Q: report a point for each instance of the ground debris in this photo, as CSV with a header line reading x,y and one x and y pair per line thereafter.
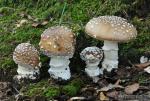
x,y
130,89
142,65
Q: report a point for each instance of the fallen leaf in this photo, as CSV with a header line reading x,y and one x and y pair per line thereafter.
x,y
27,16
44,23
142,65
102,83
30,17
111,86
36,24
130,89
40,24
147,69
102,97
21,22
76,98
112,94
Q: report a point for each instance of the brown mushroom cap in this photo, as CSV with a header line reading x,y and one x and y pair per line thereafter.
x,y
57,41
26,54
92,53
111,28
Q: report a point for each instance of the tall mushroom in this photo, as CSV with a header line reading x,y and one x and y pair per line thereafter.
x,y
92,56
58,42
28,60
112,30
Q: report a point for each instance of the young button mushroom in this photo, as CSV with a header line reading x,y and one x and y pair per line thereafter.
x,y
92,56
112,30
58,43
28,60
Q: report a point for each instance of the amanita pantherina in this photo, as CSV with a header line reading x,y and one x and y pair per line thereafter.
x,y
28,60
92,56
58,43
112,30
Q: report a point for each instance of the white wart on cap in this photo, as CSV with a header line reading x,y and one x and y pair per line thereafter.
x,y
111,28
57,41
26,54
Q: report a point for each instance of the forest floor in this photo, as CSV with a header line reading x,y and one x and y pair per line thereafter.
x,y
24,21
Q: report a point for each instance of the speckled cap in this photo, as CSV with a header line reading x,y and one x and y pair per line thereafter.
x,y
91,53
57,41
111,28
26,54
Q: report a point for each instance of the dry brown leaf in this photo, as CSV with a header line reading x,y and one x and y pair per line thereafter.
x,y
40,24
142,65
113,94
102,97
36,24
44,23
111,86
130,89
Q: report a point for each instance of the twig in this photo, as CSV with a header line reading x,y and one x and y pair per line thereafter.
x,y
62,13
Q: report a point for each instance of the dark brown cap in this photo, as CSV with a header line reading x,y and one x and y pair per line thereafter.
x,y
92,53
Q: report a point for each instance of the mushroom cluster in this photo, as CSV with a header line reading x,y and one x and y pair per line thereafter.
x,y
28,60
58,42
92,56
112,30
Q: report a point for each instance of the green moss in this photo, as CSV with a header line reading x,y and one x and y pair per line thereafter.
x,y
51,92
73,87
70,90
76,14
41,88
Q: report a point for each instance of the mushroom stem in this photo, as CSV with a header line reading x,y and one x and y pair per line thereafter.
x,y
59,67
110,55
92,69
28,72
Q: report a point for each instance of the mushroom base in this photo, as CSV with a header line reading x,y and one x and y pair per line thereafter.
x,y
92,72
27,72
92,69
109,65
59,68
110,55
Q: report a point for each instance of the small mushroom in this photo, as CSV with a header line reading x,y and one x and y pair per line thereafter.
x,y
58,42
28,60
92,56
112,30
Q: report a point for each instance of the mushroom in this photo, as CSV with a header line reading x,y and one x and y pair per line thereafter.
x,y
92,56
28,60
58,42
112,30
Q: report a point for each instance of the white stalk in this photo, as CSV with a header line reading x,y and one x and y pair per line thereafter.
x,y
28,72
110,55
59,67
92,69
